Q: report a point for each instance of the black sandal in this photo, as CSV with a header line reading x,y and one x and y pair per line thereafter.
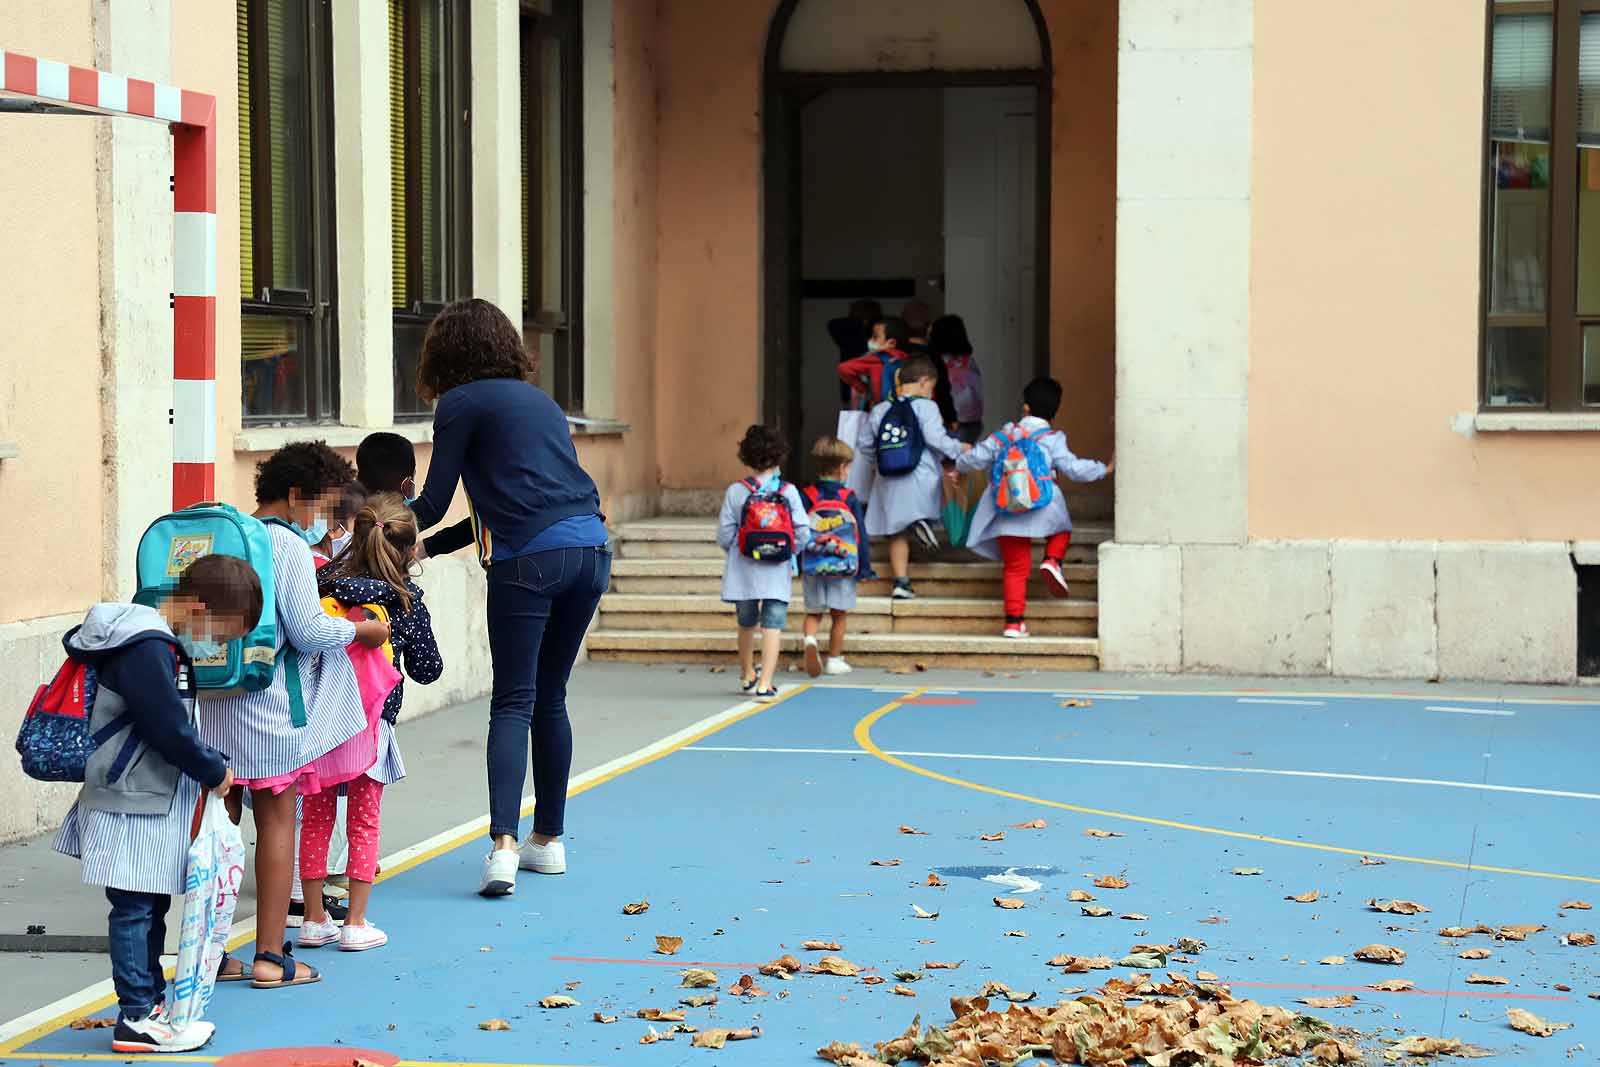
x,y
241,975
285,963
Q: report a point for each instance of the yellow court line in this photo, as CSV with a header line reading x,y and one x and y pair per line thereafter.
x,y
863,736
247,934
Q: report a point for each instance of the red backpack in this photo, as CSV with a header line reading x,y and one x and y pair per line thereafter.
x,y
766,526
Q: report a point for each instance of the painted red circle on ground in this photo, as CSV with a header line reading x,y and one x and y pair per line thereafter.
x,y
308,1057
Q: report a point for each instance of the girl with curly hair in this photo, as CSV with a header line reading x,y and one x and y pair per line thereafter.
x,y
536,522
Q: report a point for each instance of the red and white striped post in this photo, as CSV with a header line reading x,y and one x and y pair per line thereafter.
x,y
62,88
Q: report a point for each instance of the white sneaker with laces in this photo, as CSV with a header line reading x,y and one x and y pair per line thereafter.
x,y
499,873
154,1034
361,938
837,665
543,859
1054,580
813,657
317,934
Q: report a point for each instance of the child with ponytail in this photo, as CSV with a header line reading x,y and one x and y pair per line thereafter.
x,y
374,568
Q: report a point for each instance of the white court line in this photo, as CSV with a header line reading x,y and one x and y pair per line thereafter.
x,y
1278,700
1474,711
76,1002
1112,693
1211,769
1092,695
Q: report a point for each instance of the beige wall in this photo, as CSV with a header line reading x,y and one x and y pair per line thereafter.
x,y
709,322
1364,333
50,359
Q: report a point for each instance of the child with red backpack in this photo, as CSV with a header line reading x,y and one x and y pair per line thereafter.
x,y
763,528
839,555
1023,503
871,376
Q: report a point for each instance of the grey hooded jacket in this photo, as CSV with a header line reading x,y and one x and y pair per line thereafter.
x,y
145,683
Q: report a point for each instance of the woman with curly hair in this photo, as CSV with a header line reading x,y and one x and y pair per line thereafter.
x,y
269,744
535,518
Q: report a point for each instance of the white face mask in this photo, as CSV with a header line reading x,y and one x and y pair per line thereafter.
x,y
877,346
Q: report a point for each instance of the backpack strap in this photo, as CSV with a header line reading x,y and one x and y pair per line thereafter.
x,y
291,680
812,494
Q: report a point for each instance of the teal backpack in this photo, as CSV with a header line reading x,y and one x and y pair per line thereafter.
x,y
172,543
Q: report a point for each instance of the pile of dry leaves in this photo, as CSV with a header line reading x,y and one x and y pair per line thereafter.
x,y
1174,1023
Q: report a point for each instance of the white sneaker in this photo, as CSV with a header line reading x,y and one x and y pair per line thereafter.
x,y
317,934
837,665
1015,631
499,873
813,657
543,859
155,1034
361,938
1054,580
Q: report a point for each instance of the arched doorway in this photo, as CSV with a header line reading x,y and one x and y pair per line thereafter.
x,y
961,92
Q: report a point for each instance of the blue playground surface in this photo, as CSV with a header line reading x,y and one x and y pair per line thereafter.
x,y
758,831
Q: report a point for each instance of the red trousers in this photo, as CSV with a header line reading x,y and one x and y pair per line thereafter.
x,y
361,829
1016,560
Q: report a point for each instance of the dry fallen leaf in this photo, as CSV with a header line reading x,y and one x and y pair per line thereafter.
x,y
903,991
1191,945
782,967
1578,940
1577,905
997,836
1306,898
1205,976
1519,932
873,979
1381,954
667,946
835,965
1398,907
821,946
1135,917
910,976
1032,824
699,978
1214,920
948,965
1080,896
637,908
718,1038
661,1015
1076,703
494,1024
919,912
1333,961
86,1023
1393,985
885,863
1562,988
1016,933
1095,911
1343,1000
1247,871
913,830
1335,1051
1092,832
698,1002
1438,1046
746,987
1010,903
1111,881
1476,954
600,1017
1529,1023
1486,979
1368,861
934,881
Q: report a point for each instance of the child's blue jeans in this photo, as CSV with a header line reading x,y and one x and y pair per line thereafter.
x,y
138,931
768,614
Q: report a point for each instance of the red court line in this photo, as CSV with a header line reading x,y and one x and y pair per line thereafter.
x,y
1399,992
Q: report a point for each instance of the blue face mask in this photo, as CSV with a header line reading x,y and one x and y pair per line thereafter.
x,y
317,531
410,500
200,649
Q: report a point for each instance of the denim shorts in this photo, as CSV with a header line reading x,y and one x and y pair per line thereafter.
x,y
770,614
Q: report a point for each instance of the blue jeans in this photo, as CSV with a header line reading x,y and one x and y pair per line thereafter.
x,y
768,614
138,933
540,606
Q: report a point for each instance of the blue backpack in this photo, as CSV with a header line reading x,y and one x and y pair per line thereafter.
x,y
900,441
173,542
1022,477
888,375
835,548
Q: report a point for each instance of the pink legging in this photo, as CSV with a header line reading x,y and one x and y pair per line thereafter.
x,y
317,812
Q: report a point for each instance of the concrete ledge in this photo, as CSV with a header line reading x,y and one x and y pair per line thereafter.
x,y
1536,422
1384,609
254,440
1262,608
1508,612
1141,607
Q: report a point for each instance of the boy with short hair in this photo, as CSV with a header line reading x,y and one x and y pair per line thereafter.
x,y
387,463
1008,533
131,823
828,575
888,344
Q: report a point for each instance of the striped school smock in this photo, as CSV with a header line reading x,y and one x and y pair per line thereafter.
x,y
255,729
136,853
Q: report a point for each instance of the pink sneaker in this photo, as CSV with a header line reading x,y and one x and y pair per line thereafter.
x,y
1015,631
1054,581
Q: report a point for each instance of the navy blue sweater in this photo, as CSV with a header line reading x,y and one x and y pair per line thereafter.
x,y
510,444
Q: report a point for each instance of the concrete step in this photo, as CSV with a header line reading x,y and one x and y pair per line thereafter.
x,y
978,579
878,614
696,538
865,650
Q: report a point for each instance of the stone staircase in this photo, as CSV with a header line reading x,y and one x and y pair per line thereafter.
x,y
664,607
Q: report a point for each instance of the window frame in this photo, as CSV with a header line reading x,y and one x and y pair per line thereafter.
x,y
319,304
1562,322
456,89
565,26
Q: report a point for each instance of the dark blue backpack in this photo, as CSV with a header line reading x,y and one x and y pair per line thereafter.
x,y
899,439
887,374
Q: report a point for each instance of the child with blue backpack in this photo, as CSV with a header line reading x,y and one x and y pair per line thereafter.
x,y
146,773
763,528
871,375
838,556
1024,504
906,439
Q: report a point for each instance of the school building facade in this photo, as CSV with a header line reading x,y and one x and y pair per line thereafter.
x,y
1338,322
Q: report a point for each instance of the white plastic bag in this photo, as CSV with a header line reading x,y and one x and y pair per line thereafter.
x,y
862,471
210,893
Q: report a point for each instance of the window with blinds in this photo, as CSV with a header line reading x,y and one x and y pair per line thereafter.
x,y
1541,338
285,210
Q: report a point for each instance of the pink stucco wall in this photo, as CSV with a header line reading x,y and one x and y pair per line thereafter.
x,y
709,323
